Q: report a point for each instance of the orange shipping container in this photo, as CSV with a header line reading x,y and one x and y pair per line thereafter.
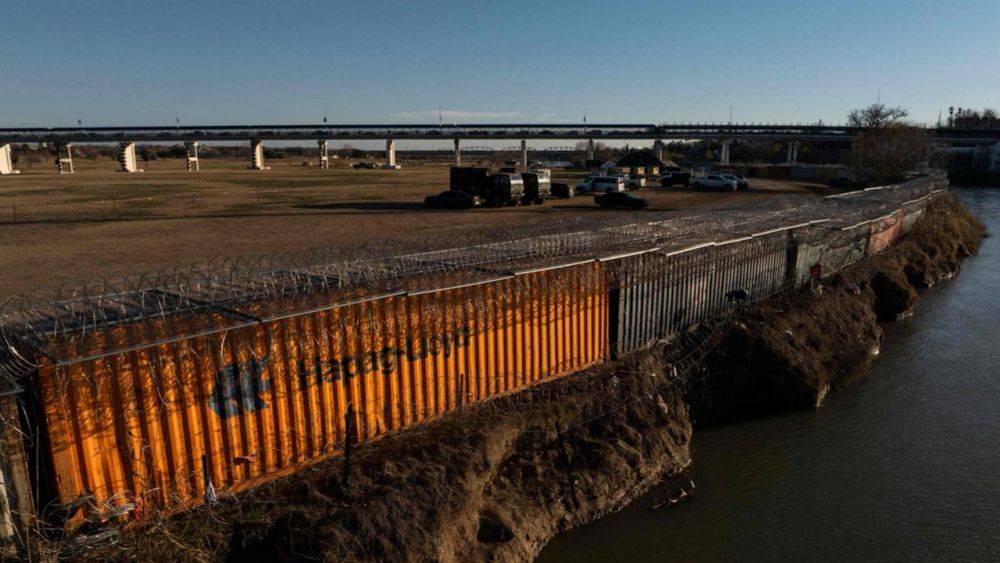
x,y
166,424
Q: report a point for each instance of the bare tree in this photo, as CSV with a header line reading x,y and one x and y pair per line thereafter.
x,y
886,155
876,116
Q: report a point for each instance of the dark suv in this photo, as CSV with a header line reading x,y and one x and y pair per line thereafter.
x,y
675,178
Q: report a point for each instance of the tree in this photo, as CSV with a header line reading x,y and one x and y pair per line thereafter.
x,y
972,119
601,151
876,116
886,155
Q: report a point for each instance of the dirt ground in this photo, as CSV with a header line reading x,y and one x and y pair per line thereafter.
x,y
65,230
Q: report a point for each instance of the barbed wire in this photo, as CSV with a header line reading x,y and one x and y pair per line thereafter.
x,y
66,322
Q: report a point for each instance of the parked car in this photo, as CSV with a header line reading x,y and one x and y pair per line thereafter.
x,y
621,199
453,199
561,190
364,165
677,178
600,184
633,183
584,185
714,182
741,182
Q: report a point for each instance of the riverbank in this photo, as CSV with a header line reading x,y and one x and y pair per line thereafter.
x,y
790,352
891,468
497,480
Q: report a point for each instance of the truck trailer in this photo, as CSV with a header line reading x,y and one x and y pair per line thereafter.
x,y
495,189
537,187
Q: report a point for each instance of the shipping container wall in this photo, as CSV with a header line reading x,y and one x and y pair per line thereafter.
x,y
838,251
884,232
17,508
808,254
8,528
164,425
911,218
7,531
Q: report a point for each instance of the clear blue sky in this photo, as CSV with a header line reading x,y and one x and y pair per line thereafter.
x,y
127,63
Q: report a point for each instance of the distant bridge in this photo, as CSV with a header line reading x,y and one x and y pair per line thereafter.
x,y
61,138
505,131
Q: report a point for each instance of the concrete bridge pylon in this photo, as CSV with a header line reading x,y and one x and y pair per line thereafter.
x,y
324,154
64,164
192,156
390,152
792,155
257,155
126,157
6,160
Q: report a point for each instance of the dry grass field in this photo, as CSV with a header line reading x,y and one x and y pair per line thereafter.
x,y
71,229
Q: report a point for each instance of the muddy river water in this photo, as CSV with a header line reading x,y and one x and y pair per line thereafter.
x,y
902,466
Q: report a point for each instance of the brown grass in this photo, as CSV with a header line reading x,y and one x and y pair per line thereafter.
x,y
76,228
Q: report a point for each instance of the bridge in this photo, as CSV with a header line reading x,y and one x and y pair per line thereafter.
x,y
61,139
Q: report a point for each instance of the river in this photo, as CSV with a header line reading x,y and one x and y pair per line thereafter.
x,y
902,466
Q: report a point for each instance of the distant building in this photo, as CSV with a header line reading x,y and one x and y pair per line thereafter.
x,y
640,163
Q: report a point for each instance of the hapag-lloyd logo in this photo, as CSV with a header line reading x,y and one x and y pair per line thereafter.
x,y
239,385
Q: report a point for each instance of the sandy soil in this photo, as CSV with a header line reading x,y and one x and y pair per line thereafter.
x,y
70,229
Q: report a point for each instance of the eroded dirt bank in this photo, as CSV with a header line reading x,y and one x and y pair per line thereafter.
x,y
490,482
494,481
788,353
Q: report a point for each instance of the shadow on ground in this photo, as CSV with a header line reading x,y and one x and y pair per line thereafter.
x,y
366,205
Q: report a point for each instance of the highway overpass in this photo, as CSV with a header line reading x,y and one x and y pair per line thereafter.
x,y
62,138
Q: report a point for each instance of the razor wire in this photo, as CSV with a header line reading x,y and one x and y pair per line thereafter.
x,y
63,322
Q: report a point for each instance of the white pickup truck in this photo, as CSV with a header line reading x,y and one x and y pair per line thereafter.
x,y
600,185
633,183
